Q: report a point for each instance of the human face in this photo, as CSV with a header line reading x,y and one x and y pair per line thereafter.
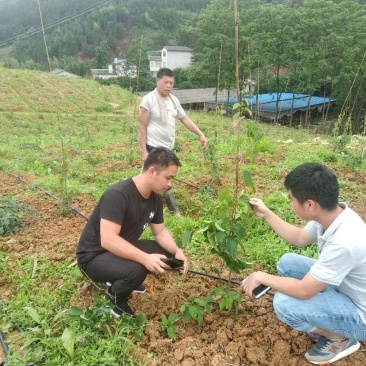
x,y
301,209
163,179
165,85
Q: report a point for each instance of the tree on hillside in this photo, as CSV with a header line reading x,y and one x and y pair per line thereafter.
x,y
101,58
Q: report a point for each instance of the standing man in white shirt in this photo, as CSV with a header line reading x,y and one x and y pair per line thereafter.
x,y
158,113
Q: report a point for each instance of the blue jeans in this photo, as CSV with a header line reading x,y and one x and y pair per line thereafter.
x,y
330,309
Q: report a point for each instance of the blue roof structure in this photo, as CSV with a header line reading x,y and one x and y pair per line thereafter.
x,y
288,103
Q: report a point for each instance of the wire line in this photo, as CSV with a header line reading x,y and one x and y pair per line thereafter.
x,y
55,23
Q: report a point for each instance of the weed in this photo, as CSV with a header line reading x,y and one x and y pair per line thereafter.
x,y
11,216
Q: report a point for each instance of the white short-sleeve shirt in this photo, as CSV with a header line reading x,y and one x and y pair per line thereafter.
x,y
158,132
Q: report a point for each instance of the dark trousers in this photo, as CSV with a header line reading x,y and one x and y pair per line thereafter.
x,y
124,275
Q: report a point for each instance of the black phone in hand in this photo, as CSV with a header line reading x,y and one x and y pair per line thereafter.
x,y
260,291
173,262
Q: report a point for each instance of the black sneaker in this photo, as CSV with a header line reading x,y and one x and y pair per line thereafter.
x,y
140,289
122,308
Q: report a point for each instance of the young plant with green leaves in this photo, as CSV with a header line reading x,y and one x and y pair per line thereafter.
x,y
226,233
227,299
194,308
168,325
11,216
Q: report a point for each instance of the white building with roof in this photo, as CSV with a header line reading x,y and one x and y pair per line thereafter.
x,y
172,57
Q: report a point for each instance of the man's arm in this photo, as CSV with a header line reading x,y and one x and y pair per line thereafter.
x,y
292,234
111,241
191,126
144,118
166,241
301,289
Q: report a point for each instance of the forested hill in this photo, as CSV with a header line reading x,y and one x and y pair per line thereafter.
x,y
93,29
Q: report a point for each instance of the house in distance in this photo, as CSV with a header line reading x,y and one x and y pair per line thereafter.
x,y
172,57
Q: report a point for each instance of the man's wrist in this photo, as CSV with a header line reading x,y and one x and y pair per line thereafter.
x,y
178,250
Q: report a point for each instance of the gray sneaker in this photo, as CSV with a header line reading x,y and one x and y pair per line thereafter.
x,y
330,350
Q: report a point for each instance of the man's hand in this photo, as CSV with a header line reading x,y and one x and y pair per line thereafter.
x,y
250,283
203,141
180,255
153,263
259,208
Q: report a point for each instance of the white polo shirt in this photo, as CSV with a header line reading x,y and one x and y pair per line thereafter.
x,y
342,256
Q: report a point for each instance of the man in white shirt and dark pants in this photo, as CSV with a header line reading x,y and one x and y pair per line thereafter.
x,y
158,113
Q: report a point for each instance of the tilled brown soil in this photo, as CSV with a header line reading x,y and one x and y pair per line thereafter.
x,y
253,336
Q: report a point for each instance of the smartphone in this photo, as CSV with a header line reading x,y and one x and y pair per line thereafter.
x,y
260,291
173,262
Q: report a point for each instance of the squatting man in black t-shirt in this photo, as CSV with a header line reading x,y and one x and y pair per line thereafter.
x,y
109,248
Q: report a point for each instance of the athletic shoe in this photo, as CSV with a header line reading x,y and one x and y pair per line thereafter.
x,y
140,289
314,337
327,350
121,308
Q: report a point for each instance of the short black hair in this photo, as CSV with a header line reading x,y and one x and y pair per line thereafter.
x,y
164,71
314,181
161,158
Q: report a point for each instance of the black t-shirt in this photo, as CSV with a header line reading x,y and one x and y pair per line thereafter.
x,y
122,204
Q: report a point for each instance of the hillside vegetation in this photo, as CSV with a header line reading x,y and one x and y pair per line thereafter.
x,y
36,91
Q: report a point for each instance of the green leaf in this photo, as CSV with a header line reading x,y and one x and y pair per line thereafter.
x,y
186,317
236,106
68,341
218,227
164,320
172,332
193,311
225,303
186,237
239,231
247,177
231,246
33,314
211,239
248,111
74,311
220,237
173,318
37,353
